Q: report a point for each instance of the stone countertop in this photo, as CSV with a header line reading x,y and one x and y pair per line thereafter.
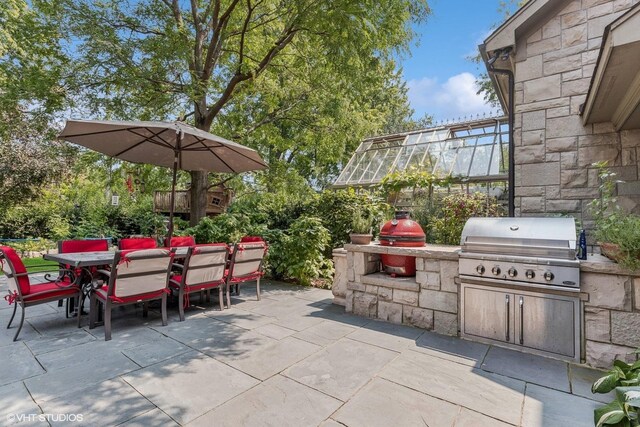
x,y
596,263
427,251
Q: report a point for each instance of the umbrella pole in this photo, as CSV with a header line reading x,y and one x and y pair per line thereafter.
x,y
176,158
172,203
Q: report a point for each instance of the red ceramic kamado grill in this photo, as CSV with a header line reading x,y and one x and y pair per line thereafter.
x,y
403,232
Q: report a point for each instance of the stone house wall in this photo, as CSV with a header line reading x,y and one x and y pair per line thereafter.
x,y
611,313
554,151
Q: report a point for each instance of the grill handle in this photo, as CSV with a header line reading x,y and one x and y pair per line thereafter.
x,y
521,303
507,302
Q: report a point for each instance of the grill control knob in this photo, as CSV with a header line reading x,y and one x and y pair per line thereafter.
x,y
495,270
530,274
480,269
512,272
548,276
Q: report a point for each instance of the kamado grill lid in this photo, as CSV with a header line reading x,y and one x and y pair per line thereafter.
x,y
539,237
402,229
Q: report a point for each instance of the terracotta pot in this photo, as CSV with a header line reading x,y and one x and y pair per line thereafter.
x,y
611,251
360,239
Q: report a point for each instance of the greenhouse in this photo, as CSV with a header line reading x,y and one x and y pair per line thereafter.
x,y
473,152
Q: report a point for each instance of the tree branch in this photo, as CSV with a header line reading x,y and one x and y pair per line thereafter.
x,y
285,38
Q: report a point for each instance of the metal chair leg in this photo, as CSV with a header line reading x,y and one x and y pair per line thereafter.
x,y
164,309
107,320
93,308
258,288
220,298
21,323
15,307
181,303
228,297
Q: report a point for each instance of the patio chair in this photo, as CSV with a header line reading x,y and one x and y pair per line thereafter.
x,y
204,269
136,276
81,245
26,294
246,266
179,241
137,243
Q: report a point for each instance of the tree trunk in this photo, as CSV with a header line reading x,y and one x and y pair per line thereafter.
x,y
199,184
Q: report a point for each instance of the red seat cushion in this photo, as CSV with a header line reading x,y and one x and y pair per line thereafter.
x,y
180,241
101,293
248,278
138,243
18,267
248,239
49,290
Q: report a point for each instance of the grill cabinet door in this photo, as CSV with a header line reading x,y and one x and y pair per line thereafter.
x,y
488,314
547,323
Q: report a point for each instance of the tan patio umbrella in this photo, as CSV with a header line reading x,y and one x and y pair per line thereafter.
x,y
171,144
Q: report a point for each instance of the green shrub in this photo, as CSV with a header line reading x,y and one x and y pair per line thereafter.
x,y
338,209
298,253
225,228
447,222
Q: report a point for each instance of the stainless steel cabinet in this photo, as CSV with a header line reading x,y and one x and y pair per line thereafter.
x,y
547,324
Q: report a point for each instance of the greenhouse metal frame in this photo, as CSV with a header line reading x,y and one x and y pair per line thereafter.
x,y
469,152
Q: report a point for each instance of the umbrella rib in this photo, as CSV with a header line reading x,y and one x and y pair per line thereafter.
x,y
98,132
219,158
245,156
197,141
146,139
162,142
201,141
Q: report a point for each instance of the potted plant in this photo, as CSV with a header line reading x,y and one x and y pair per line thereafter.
x,y
361,229
617,232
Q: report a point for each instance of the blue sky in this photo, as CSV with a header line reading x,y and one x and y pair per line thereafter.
x,y
439,77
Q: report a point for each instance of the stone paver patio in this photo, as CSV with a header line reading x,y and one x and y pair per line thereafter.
x,y
292,359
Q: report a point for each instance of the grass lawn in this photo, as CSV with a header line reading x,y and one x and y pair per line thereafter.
x,y
37,265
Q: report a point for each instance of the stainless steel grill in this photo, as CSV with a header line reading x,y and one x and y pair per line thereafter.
x,y
521,251
520,285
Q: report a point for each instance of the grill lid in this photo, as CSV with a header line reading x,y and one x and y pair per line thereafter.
x,y
539,237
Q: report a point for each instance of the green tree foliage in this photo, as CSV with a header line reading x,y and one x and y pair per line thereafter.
x,y
306,67
31,65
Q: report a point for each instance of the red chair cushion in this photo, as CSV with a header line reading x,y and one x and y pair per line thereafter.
x,y
18,266
180,241
138,243
247,278
248,239
49,290
91,245
101,293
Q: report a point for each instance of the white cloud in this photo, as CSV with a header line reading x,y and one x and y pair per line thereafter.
x,y
454,98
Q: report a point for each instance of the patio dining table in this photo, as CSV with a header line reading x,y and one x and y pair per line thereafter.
x,y
85,260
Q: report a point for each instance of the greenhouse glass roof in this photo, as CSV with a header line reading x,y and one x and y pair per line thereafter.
x,y
471,151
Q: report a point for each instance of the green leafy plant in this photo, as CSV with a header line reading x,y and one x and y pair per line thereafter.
x,y
624,411
614,225
362,223
299,252
447,222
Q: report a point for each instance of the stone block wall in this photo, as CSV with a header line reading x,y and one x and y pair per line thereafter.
x,y
611,313
554,152
428,301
